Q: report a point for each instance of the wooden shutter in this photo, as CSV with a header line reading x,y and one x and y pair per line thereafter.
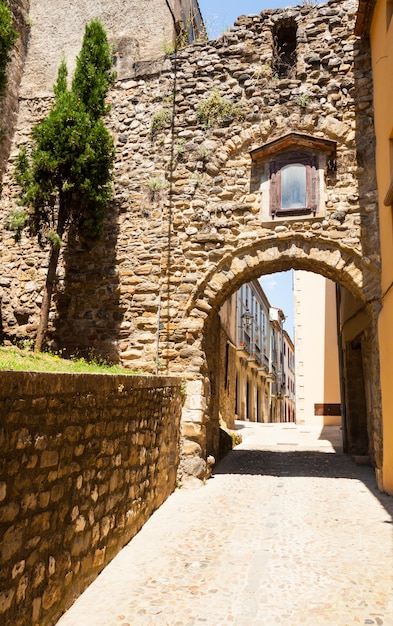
x,y
313,190
275,203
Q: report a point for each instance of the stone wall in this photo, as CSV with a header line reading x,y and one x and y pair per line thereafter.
x,y
186,227
85,460
187,202
9,100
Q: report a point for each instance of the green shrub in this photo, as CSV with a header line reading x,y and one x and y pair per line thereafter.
x,y
54,239
155,184
16,221
303,100
160,121
217,110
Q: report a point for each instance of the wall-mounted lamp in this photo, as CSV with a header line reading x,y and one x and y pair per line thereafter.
x,y
247,319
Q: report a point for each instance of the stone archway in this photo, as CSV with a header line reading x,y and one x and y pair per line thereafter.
x,y
274,253
351,271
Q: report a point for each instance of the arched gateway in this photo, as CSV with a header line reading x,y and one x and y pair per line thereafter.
x,y
246,155
200,326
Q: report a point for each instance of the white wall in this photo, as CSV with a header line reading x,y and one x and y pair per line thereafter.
x,y
316,352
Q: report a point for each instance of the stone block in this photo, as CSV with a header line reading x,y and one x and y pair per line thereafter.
x,y
194,466
99,557
191,448
51,595
6,598
11,543
192,430
9,512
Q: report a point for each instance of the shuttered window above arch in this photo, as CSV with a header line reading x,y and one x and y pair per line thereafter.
x,y
294,184
290,173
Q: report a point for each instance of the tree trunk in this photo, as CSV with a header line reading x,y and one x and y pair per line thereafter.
x,y
51,274
47,298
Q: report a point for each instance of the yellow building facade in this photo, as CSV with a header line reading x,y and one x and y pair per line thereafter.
x,y
375,19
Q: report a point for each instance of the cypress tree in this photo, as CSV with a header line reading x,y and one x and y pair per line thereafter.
x,y
65,176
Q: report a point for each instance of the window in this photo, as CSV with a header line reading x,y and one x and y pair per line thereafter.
x,y
291,173
284,47
294,188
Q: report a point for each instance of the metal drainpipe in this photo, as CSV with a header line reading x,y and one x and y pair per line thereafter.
x,y
341,370
171,12
158,332
170,206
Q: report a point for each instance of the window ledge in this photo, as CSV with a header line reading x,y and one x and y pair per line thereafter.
x,y
282,219
294,212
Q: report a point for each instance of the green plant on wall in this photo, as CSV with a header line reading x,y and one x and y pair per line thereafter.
x,y
203,154
303,100
168,47
155,184
183,38
16,221
8,36
159,121
65,175
180,148
217,111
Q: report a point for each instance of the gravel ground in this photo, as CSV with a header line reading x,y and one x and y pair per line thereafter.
x,y
288,531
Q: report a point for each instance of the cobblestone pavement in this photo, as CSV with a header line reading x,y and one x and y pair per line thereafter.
x,y
286,532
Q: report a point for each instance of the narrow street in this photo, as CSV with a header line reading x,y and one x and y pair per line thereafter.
x,y
288,531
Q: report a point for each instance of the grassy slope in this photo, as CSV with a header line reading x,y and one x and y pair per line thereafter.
x,y
16,359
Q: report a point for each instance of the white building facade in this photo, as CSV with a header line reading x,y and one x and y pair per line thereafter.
x,y
265,378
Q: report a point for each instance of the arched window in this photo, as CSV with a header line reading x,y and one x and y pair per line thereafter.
x,y
294,186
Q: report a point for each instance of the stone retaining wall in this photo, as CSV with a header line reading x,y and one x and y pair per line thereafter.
x,y
85,460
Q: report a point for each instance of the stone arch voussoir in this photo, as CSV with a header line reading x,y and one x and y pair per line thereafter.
x,y
247,262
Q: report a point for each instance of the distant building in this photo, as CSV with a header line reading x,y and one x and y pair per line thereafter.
x,y
317,361
288,381
258,377
140,32
277,318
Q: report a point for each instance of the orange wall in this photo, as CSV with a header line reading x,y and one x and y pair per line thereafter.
x,y
381,37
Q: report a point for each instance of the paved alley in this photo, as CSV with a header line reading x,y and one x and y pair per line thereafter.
x,y
288,531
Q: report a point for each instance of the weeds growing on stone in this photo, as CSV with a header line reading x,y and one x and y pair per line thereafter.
x,y
16,221
160,121
217,111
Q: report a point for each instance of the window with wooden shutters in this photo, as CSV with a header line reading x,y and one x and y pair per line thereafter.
x,y
294,188
291,174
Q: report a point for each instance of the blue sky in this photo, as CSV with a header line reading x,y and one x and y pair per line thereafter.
x,y
219,14
278,288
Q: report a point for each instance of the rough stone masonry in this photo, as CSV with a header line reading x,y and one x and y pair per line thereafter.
x,y
188,223
85,460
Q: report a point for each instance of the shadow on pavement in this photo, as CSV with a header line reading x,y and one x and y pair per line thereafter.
x,y
301,463
334,435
